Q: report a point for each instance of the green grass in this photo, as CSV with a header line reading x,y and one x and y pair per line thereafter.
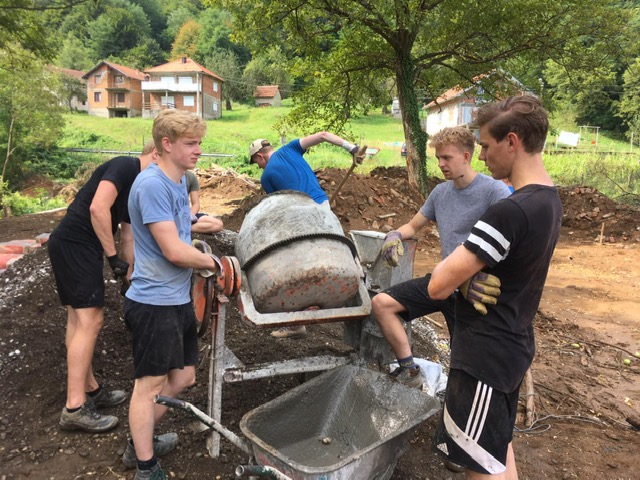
x,y
615,174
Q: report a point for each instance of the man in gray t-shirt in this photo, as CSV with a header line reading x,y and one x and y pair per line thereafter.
x,y
455,206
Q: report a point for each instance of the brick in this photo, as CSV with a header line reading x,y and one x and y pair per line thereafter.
x,y
7,259
20,246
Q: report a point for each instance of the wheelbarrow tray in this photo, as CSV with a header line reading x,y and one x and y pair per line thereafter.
x,y
348,423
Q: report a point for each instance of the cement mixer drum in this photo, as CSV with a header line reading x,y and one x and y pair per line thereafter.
x,y
295,255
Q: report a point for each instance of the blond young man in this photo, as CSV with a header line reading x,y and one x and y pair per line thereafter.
x,y
157,307
454,206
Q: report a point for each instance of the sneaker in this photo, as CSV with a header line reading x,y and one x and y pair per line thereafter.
x,y
87,419
108,398
453,467
162,444
290,332
156,473
409,376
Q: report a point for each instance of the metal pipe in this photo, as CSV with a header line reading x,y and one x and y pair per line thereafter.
x,y
260,471
242,444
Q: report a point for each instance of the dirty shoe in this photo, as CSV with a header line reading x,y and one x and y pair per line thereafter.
x,y
156,473
87,419
108,398
290,332
409,376
162,444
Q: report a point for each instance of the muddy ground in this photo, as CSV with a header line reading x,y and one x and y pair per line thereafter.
x,y
586,398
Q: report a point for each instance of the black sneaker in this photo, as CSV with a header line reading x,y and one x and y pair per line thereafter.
x,y
156,473
162,444
108,398
87,419
409,376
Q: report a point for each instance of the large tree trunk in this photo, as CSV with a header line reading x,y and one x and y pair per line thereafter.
x,y
227,104
415,137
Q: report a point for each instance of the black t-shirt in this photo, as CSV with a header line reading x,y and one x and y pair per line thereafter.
x,y
515,238
76,225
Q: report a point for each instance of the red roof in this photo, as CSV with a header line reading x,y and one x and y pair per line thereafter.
x,y
183,64
265,91
68,71
126,71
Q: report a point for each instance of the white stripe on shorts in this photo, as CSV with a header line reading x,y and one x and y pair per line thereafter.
x,y
468,439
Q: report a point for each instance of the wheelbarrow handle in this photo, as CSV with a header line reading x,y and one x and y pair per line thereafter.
x,y
171,402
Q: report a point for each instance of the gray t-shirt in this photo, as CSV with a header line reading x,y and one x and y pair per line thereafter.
x,y
192,181
456,211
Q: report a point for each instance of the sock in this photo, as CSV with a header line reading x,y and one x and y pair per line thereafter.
x,y
95,392
73,410
147,464
407,362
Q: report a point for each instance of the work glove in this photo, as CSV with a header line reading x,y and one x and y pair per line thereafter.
x,y
480,290
392,248
205,272
358,153
118,266
124,286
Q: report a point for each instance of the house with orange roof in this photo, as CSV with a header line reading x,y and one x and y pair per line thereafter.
x,y
114,90
75,99
182,84
459,106
267,96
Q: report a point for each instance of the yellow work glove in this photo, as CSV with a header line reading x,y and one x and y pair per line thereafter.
x,y
480,290
392,248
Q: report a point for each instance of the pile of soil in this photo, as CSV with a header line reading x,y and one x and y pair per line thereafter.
x,y
584,392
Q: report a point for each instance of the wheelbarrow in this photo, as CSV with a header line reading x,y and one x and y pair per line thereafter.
x,y
348,423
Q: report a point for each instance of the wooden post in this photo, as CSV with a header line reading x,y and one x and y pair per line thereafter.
x,y
601,233
529,404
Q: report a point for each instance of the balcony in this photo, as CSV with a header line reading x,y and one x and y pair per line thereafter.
x,y
170,87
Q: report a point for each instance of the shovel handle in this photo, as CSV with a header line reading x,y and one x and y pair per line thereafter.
x,y
171,402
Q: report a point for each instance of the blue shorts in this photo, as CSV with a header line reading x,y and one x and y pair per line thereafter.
x,y
164,337
476,425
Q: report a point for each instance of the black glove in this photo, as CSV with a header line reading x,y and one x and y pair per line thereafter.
x,y
481,290
119,266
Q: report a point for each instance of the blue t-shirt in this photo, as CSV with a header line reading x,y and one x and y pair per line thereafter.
x,y
287,170
156,198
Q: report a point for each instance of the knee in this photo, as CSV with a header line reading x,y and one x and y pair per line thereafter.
x,y
382,303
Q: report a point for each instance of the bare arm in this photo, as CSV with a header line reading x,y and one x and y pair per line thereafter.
x,y
194,198
452,272
320,137
126,245
178,252
409,230
100,211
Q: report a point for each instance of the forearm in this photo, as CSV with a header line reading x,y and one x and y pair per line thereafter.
x,y
126,245
101,223
328,137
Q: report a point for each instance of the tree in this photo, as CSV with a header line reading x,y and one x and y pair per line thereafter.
x,y
226,65
185,44
268,68
343,45
29,109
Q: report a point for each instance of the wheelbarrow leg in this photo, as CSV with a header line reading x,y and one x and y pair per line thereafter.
x,y
216,373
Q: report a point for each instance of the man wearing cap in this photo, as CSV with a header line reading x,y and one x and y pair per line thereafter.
x,y
286,169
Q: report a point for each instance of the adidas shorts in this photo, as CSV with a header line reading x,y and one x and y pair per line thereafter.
x,y
477,423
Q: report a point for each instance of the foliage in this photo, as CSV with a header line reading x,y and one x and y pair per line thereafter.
x,y
29,109
186,40
226,65
215,37
342,45
268,68
20,204
69,88
74,54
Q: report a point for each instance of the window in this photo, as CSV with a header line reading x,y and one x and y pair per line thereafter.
x,y
166,79
168,101
120,97
215,86
97,96
118,79
97,78
215,107
185,80
188,101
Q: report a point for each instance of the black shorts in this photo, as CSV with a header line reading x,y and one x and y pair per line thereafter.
x,y
413,296
78,271
477,423
164,337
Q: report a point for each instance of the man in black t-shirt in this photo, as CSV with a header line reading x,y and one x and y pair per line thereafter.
x,y
76,249
514,240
